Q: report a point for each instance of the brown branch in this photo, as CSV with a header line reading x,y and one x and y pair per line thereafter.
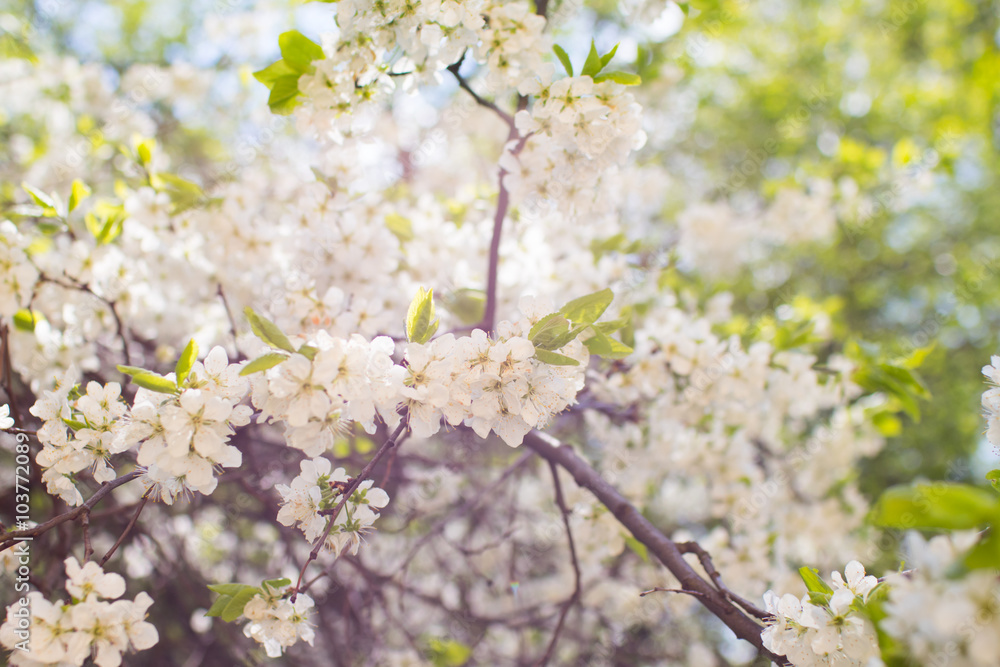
x,y
658,544
352,486
706,562
131,523
670,590
561,502
83,287
229,314
464,508
8,382
504,116
88,548
8,539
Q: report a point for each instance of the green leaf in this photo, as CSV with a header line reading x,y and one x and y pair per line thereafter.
x,y
917,357
938,505
563,58
155,382
233,598
78,192
186,361
624,78
299,51
105,221
554,358
638,547
814,583
183,193
45,201
263,362
994,477
605,346
228,589
273,72
308,351
420,322
284,95
448,652
400,226
145,151
268,331
606,58
25,320
219,605
74,424
587,309
593,64
276,584
236,604
467,304
986,553
548,331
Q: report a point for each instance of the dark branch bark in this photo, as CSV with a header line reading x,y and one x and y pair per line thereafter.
x,y
658,544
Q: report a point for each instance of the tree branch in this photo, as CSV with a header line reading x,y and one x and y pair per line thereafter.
x,y
131,523
352,486
8,539
658,544
560,501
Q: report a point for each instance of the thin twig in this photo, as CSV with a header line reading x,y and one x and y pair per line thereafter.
x,y
229,314
8,539
88,549
465,507
83,287
706,562
131,523
352,486
504,116
671,590
561,502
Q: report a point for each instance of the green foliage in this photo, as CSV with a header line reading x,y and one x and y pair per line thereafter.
x,y
594,64
150,380
400,226
420,321
268,331
945,507
447,652
186,361
282,77
263,362
25,320
231,601
819,591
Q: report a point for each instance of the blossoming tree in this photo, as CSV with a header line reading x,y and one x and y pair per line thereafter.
x,y
425,377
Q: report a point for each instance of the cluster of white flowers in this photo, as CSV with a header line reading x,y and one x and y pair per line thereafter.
x,y
79,431
346,87
941,619
17,274
588,126
88,627
716,240
185,436
487,383
316,488
276,622
833,633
